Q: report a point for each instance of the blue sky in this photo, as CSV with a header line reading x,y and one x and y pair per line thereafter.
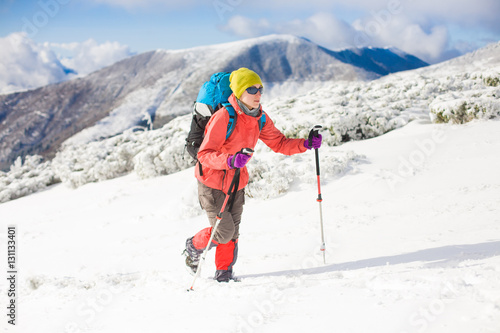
x,y
433,30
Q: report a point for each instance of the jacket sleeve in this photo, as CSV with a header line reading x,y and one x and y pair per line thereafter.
x,y
277,141
210,153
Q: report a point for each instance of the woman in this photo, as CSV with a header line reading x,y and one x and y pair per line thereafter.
x,y
220,157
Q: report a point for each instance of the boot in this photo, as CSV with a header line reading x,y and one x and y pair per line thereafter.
x,y
192,255
224,276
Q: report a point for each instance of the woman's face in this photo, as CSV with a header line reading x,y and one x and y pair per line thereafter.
x,y
251,101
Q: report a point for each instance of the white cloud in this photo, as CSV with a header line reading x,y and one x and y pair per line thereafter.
x,y
26,65
323,28
456,11
90,56
248,28
404,34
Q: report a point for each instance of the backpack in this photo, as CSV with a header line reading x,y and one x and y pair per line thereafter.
x,y
213,95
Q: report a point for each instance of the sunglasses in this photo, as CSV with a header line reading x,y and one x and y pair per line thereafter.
x,y
253,90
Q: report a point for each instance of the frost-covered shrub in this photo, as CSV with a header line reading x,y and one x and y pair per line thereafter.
x,y
464,107
25,178
165,152
273,174
353,111
149,154
80,164
492,81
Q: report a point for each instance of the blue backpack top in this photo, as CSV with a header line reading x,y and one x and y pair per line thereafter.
x,y
215,91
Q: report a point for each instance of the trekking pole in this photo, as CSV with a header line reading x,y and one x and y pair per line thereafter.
x,y
232,187
314,133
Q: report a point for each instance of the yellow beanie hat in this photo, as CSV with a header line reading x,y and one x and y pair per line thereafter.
x,y
241,79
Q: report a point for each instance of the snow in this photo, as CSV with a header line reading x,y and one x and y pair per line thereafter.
x,y
412,234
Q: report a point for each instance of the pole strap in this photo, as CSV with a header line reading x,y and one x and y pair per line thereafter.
x,y
233,188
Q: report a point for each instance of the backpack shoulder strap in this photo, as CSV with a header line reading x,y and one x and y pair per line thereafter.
x,y
262,121
232,119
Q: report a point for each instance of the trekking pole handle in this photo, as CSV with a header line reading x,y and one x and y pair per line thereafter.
x,y
314,133
246,151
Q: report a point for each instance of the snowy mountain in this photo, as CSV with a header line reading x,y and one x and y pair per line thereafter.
x,y
381,61
157,86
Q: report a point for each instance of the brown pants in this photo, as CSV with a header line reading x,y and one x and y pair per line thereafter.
x,y
211,200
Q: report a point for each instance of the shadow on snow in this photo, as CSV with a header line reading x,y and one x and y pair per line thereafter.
x,y
445,256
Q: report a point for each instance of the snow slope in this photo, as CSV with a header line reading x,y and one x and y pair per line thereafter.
x,y
412,231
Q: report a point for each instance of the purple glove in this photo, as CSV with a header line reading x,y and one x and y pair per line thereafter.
x,y
238,160
316,142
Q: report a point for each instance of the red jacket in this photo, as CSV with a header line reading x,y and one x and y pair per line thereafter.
x,y
215,149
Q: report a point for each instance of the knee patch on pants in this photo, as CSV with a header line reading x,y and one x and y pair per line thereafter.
x,y
200,240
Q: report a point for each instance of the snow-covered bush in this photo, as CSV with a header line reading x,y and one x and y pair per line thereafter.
x,y
25,178
273,174
165,152
449,108
346,110
478,98
492,81
96,161
149,154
